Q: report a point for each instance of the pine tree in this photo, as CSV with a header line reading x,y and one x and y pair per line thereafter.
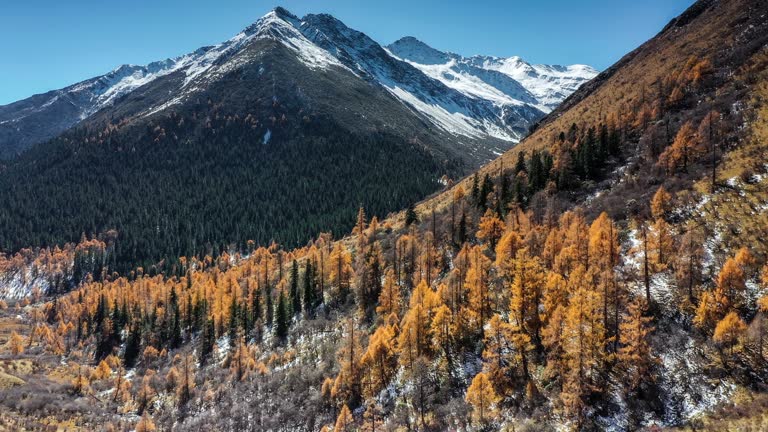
x,y
233,326
475,190
295,296
132,346
207,340
520,164
176,338
485,189
410,216
309,290
281,318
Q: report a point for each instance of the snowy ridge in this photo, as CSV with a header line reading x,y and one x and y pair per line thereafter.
x,y
453,111
477,98
501,80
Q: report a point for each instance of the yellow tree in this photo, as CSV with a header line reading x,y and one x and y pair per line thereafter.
x,y
415,335
477,286
525,303
729,330
498,353
731,282
575,246
483,398
379,359
16,344
145,424
241,361
346,388
583,343
81,383
490,229
635,356
344,422
340,272
553,340
712,307
122,386
506,251
442,330
661,203
389,298
603,243
683,150
747,261
102,371
662,244
555,296
604,256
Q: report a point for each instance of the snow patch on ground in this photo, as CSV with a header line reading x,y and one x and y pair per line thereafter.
x,y
20,284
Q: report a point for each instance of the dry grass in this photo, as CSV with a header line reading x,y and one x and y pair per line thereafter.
x,y
748,411
7,380
740,208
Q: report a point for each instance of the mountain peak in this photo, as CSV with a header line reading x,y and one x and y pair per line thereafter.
x,y
283,13
413,49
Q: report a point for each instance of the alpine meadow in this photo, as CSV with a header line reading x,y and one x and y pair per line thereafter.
x,y
304,229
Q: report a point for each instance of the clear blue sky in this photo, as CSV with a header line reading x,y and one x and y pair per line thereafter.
x,y
48,44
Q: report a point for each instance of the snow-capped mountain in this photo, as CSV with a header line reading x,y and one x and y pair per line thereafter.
x,y
500,80
477,99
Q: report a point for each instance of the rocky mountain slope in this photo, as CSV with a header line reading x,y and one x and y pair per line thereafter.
x,y
320,41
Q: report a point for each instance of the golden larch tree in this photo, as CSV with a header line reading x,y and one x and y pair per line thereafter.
x,y
483,398
635,354
729,330
490,229
344,422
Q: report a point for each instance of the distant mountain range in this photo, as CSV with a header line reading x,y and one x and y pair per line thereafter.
x,y
487,99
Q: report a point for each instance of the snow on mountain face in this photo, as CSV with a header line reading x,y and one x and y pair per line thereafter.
x,y
477,97
450,109
501,80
